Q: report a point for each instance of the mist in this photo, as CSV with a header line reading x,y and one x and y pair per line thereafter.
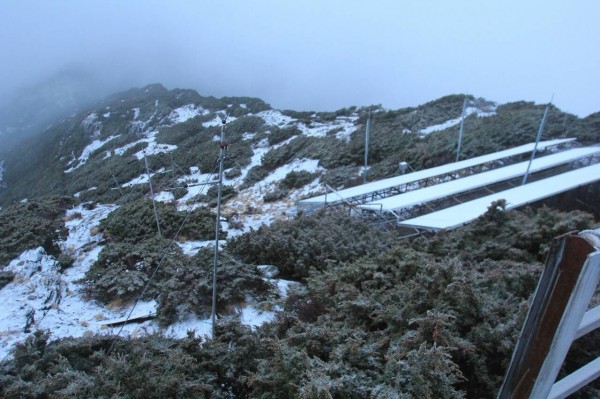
x,y
310,55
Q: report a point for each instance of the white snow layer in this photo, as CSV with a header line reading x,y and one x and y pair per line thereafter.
x,y
186,112
343,126
216,121
87,151
453,122
91,125
274,117
43,297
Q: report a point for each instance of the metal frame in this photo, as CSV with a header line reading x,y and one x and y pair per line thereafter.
x,y
397,185
556,318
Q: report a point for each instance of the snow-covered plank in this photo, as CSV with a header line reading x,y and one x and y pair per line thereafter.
x,y
427,173
515,197
442,190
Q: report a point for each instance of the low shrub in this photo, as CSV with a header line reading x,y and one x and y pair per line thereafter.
x,y
35,223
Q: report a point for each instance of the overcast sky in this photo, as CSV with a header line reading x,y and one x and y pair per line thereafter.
x,y
315,54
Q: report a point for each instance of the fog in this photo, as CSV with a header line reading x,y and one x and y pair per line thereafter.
x,y
312,55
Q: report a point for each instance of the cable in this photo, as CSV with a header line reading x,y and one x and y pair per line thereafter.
x,y
149,281
188,213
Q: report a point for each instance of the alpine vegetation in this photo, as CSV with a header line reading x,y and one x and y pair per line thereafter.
x,y
110,248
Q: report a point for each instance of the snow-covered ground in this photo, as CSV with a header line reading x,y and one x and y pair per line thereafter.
x,y
1,170
345,125
186,112
42,296
91,125
216,121
276,118
87,151
453,122
141,179
152,146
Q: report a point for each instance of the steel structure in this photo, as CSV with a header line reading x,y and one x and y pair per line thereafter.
x,y
461,214
426,195
399,184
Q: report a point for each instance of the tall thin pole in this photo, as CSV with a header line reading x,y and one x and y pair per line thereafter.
x,y
117,184
537,140
460,132
223,148
152,194
368,130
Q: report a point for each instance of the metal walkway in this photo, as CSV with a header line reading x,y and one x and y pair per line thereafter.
x,y
396,185
438,191
459,215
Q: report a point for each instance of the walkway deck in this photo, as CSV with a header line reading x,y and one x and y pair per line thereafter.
x,y
383,188
459,215
442,190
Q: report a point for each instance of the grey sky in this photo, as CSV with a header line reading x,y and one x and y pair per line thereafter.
x,y
315,54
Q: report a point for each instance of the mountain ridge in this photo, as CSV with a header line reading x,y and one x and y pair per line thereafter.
x,y
99,303
122,119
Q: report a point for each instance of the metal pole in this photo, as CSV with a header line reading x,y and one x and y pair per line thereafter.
x,y
223,147
152,194
460,132
117,183
537,140
367,147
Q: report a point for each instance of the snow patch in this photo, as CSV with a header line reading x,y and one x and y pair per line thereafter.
x,y
40,297
152,147
81,222
217,121
164,196
91,125
141,179
274,117
78,194
122,150
191,248
308,165
248,136
43,297
253,317
87,152
284,286
344,125
186,112
453,122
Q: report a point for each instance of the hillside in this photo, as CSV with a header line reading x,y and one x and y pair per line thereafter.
x,y
351,311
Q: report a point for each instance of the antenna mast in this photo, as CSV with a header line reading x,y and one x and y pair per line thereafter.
x,y
460,132
367,146
152,194
537,140
222,149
